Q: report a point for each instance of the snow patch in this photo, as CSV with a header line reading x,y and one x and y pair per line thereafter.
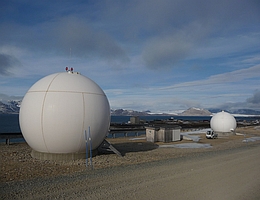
x,y
197,108
186,145
252,139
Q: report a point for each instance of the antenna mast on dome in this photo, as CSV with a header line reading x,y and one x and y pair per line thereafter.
x,y
69,69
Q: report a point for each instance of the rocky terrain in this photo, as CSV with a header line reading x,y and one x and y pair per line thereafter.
x,y
17,164
146,171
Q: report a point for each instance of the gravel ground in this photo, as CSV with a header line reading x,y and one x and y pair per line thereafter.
x,y
23,177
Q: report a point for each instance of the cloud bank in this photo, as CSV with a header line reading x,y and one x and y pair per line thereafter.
x,y
149,54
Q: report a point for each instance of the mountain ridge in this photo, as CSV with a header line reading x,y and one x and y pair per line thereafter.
x,y
13,107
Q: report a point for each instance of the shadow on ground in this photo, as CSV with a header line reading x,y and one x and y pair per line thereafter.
x,y
128,147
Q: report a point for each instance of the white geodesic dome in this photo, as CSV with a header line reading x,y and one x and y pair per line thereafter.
x,y
223,122
56,111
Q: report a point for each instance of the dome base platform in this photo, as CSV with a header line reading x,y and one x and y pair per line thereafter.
x,y
60,156
224,134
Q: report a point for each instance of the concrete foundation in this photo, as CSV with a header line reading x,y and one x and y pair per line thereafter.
x,y
225,134
61,156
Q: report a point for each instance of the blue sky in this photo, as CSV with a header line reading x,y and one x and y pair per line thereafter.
x,y
161,56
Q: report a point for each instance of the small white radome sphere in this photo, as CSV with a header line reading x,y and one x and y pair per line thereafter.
x,y
56,111
223,122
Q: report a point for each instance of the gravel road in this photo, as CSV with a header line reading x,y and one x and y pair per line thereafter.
x,y
228,174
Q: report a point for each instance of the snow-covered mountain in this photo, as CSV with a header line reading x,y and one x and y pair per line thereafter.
x,y
195,112
13,107
10,107
123,112
189,112
238,111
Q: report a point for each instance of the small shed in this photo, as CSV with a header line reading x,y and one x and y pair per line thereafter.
x,y
163,134
151,135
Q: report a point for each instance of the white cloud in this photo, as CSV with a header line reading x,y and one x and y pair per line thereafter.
x,y
229,77
197,50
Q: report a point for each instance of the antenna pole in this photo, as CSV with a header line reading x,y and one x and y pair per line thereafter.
x,y
86,140
90,148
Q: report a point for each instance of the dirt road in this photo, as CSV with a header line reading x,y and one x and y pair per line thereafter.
x,y
228,174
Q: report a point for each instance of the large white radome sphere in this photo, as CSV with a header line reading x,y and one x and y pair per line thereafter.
x,y
223,122
57,110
